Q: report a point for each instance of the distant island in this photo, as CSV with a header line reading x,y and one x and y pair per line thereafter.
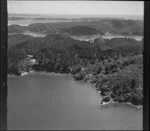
x,y
84,27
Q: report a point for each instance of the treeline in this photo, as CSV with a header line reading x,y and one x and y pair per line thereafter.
x,y
55,49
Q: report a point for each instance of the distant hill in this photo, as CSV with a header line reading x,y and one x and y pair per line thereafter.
x,y
116,27
17,39
80,30
16,29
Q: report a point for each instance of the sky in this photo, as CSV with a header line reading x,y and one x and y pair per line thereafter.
x,y
77,7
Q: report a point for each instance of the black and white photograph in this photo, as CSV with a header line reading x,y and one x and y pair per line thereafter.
x,y
75,65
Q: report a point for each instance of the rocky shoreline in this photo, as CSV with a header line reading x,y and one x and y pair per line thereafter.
x,y
106,100
127,103
113,102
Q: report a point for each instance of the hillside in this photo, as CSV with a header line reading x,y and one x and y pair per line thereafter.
x,y
80,30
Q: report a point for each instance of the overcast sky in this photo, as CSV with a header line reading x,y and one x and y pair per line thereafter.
x,y
77,7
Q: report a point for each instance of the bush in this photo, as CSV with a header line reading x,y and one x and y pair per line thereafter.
x,y
79,76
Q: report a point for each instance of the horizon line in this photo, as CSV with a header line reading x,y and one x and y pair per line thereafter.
x,y
77,14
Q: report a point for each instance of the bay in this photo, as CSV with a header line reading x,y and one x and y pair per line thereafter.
x,y
56,101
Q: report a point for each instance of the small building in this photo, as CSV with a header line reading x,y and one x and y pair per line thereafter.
x,y
33,61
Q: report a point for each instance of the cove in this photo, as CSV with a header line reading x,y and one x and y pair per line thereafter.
x,y
47,101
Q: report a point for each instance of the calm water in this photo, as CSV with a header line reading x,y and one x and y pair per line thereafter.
x,y
26,22
93,37
84,38
51,101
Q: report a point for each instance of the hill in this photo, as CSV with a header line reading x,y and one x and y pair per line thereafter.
x,y
116,27
80,30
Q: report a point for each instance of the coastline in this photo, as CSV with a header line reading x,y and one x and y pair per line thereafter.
x,y
30,72
92,85
126,103
111,100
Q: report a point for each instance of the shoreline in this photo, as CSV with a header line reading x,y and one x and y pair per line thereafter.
x,y
27,73
92,85
113,102
85,37
126,103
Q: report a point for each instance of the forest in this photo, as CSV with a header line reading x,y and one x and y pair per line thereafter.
x,y
114,66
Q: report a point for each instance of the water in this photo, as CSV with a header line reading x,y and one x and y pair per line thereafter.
x,y
25,19
33,34
93,37
138,38
53,101
26,22
83,38
86,37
